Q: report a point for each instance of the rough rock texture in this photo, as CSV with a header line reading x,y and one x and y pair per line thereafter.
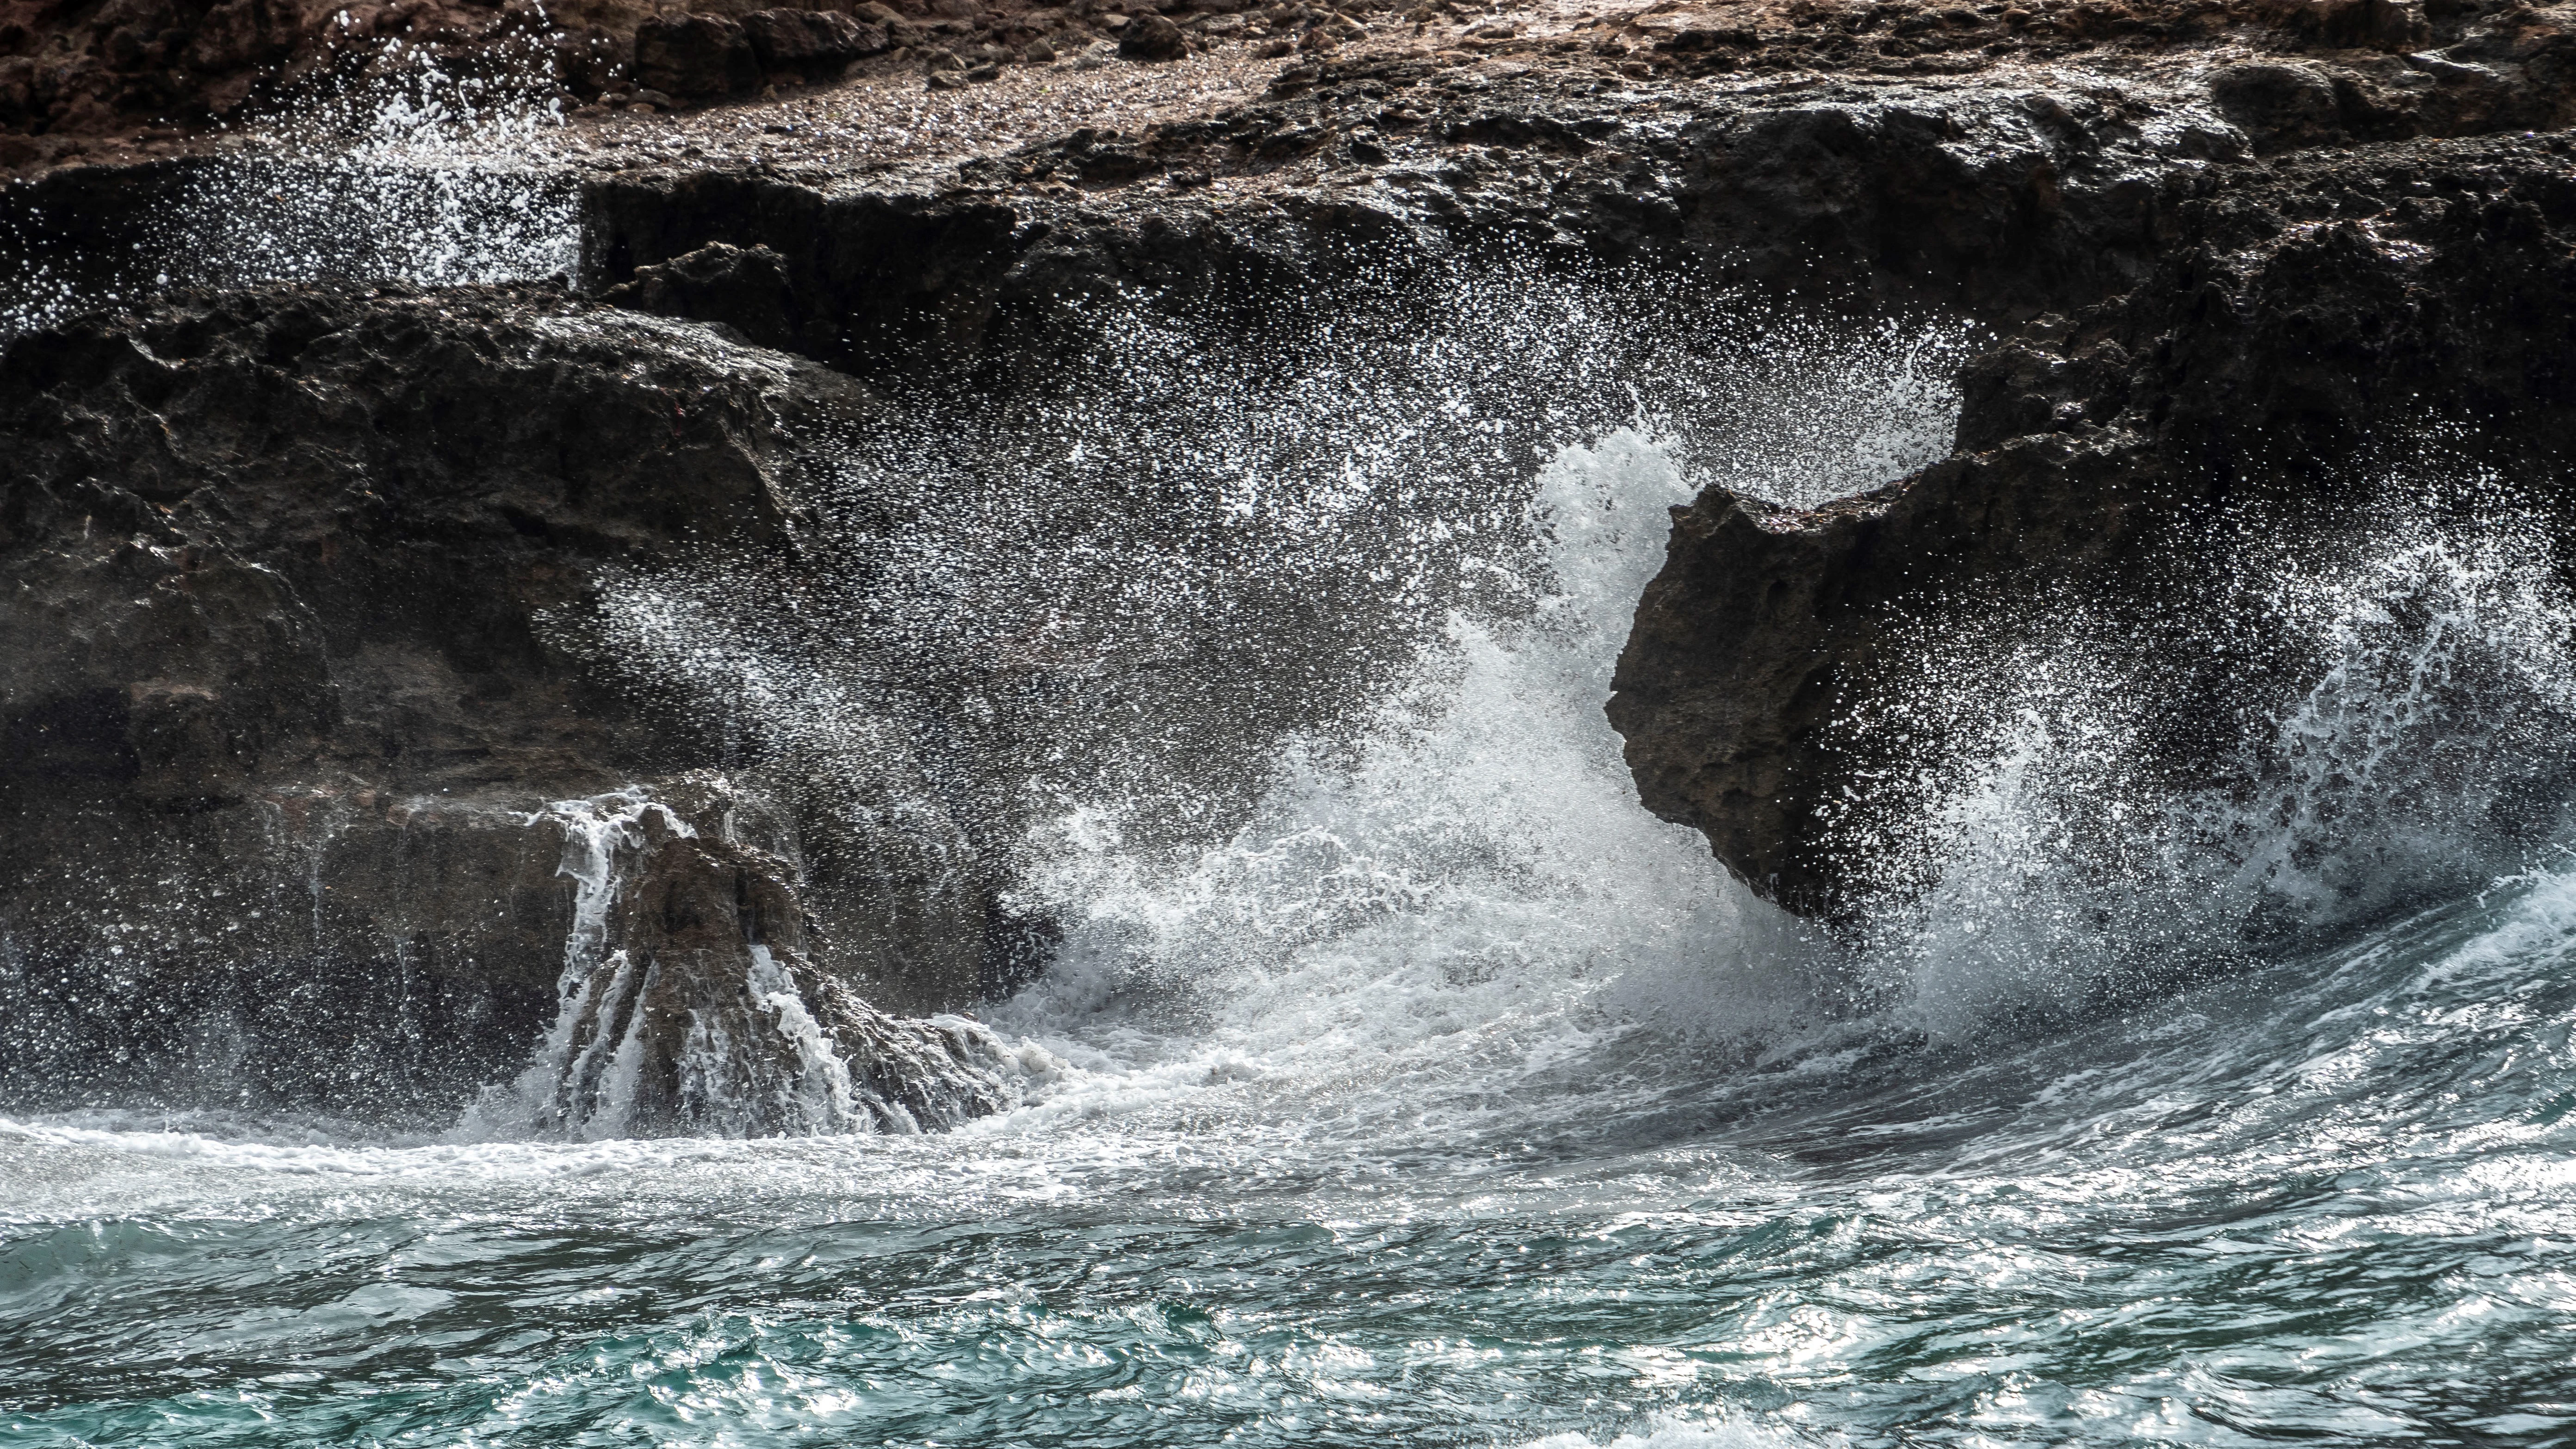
x,y
2302,326
284,720
1151,37
330,782
88,68
74,69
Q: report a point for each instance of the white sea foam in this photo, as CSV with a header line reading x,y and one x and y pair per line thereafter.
x,y
2413,747
1476,890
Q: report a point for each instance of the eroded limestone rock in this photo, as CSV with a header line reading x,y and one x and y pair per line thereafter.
x,y
2307,331
289,675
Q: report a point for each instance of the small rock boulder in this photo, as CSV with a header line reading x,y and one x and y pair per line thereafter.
x,y
695,55
2279,107
810,41
1151,37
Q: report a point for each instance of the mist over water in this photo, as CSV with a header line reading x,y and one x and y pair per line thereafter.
x,y
407,172
2403,741
1393,1077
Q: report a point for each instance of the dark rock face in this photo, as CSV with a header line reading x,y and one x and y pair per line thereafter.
x,y
1999,202
1888,194
1151,37
285,715
695,55
2280,347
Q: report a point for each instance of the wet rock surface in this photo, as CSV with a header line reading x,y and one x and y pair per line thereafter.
x,y
283,716
303,656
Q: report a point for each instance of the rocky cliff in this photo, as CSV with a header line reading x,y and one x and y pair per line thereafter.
x,y
608,698
2306,327
294,773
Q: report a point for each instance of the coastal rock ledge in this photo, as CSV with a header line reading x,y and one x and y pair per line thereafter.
x,y
307,805
326,787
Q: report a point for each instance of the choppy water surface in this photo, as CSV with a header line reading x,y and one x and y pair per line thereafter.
x,y
2329,1202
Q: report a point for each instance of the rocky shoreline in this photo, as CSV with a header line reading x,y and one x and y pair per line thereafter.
x,y
284,726
294,666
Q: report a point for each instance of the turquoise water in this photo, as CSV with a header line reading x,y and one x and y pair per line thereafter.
x,y
2326,1202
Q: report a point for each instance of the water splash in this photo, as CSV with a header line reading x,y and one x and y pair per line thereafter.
x,y
416,172
1133,579
656,1036
33,294
1268,681
2401,734
1472,876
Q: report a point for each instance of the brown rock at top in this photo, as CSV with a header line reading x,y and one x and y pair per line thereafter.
x,y
692,56
810,44
1151,37
701,57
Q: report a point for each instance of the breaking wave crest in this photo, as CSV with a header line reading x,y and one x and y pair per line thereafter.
x,y
1273,702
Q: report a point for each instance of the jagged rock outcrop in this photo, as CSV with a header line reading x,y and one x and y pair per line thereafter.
x,y
693,1003
2004,204
2307,326
286,699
